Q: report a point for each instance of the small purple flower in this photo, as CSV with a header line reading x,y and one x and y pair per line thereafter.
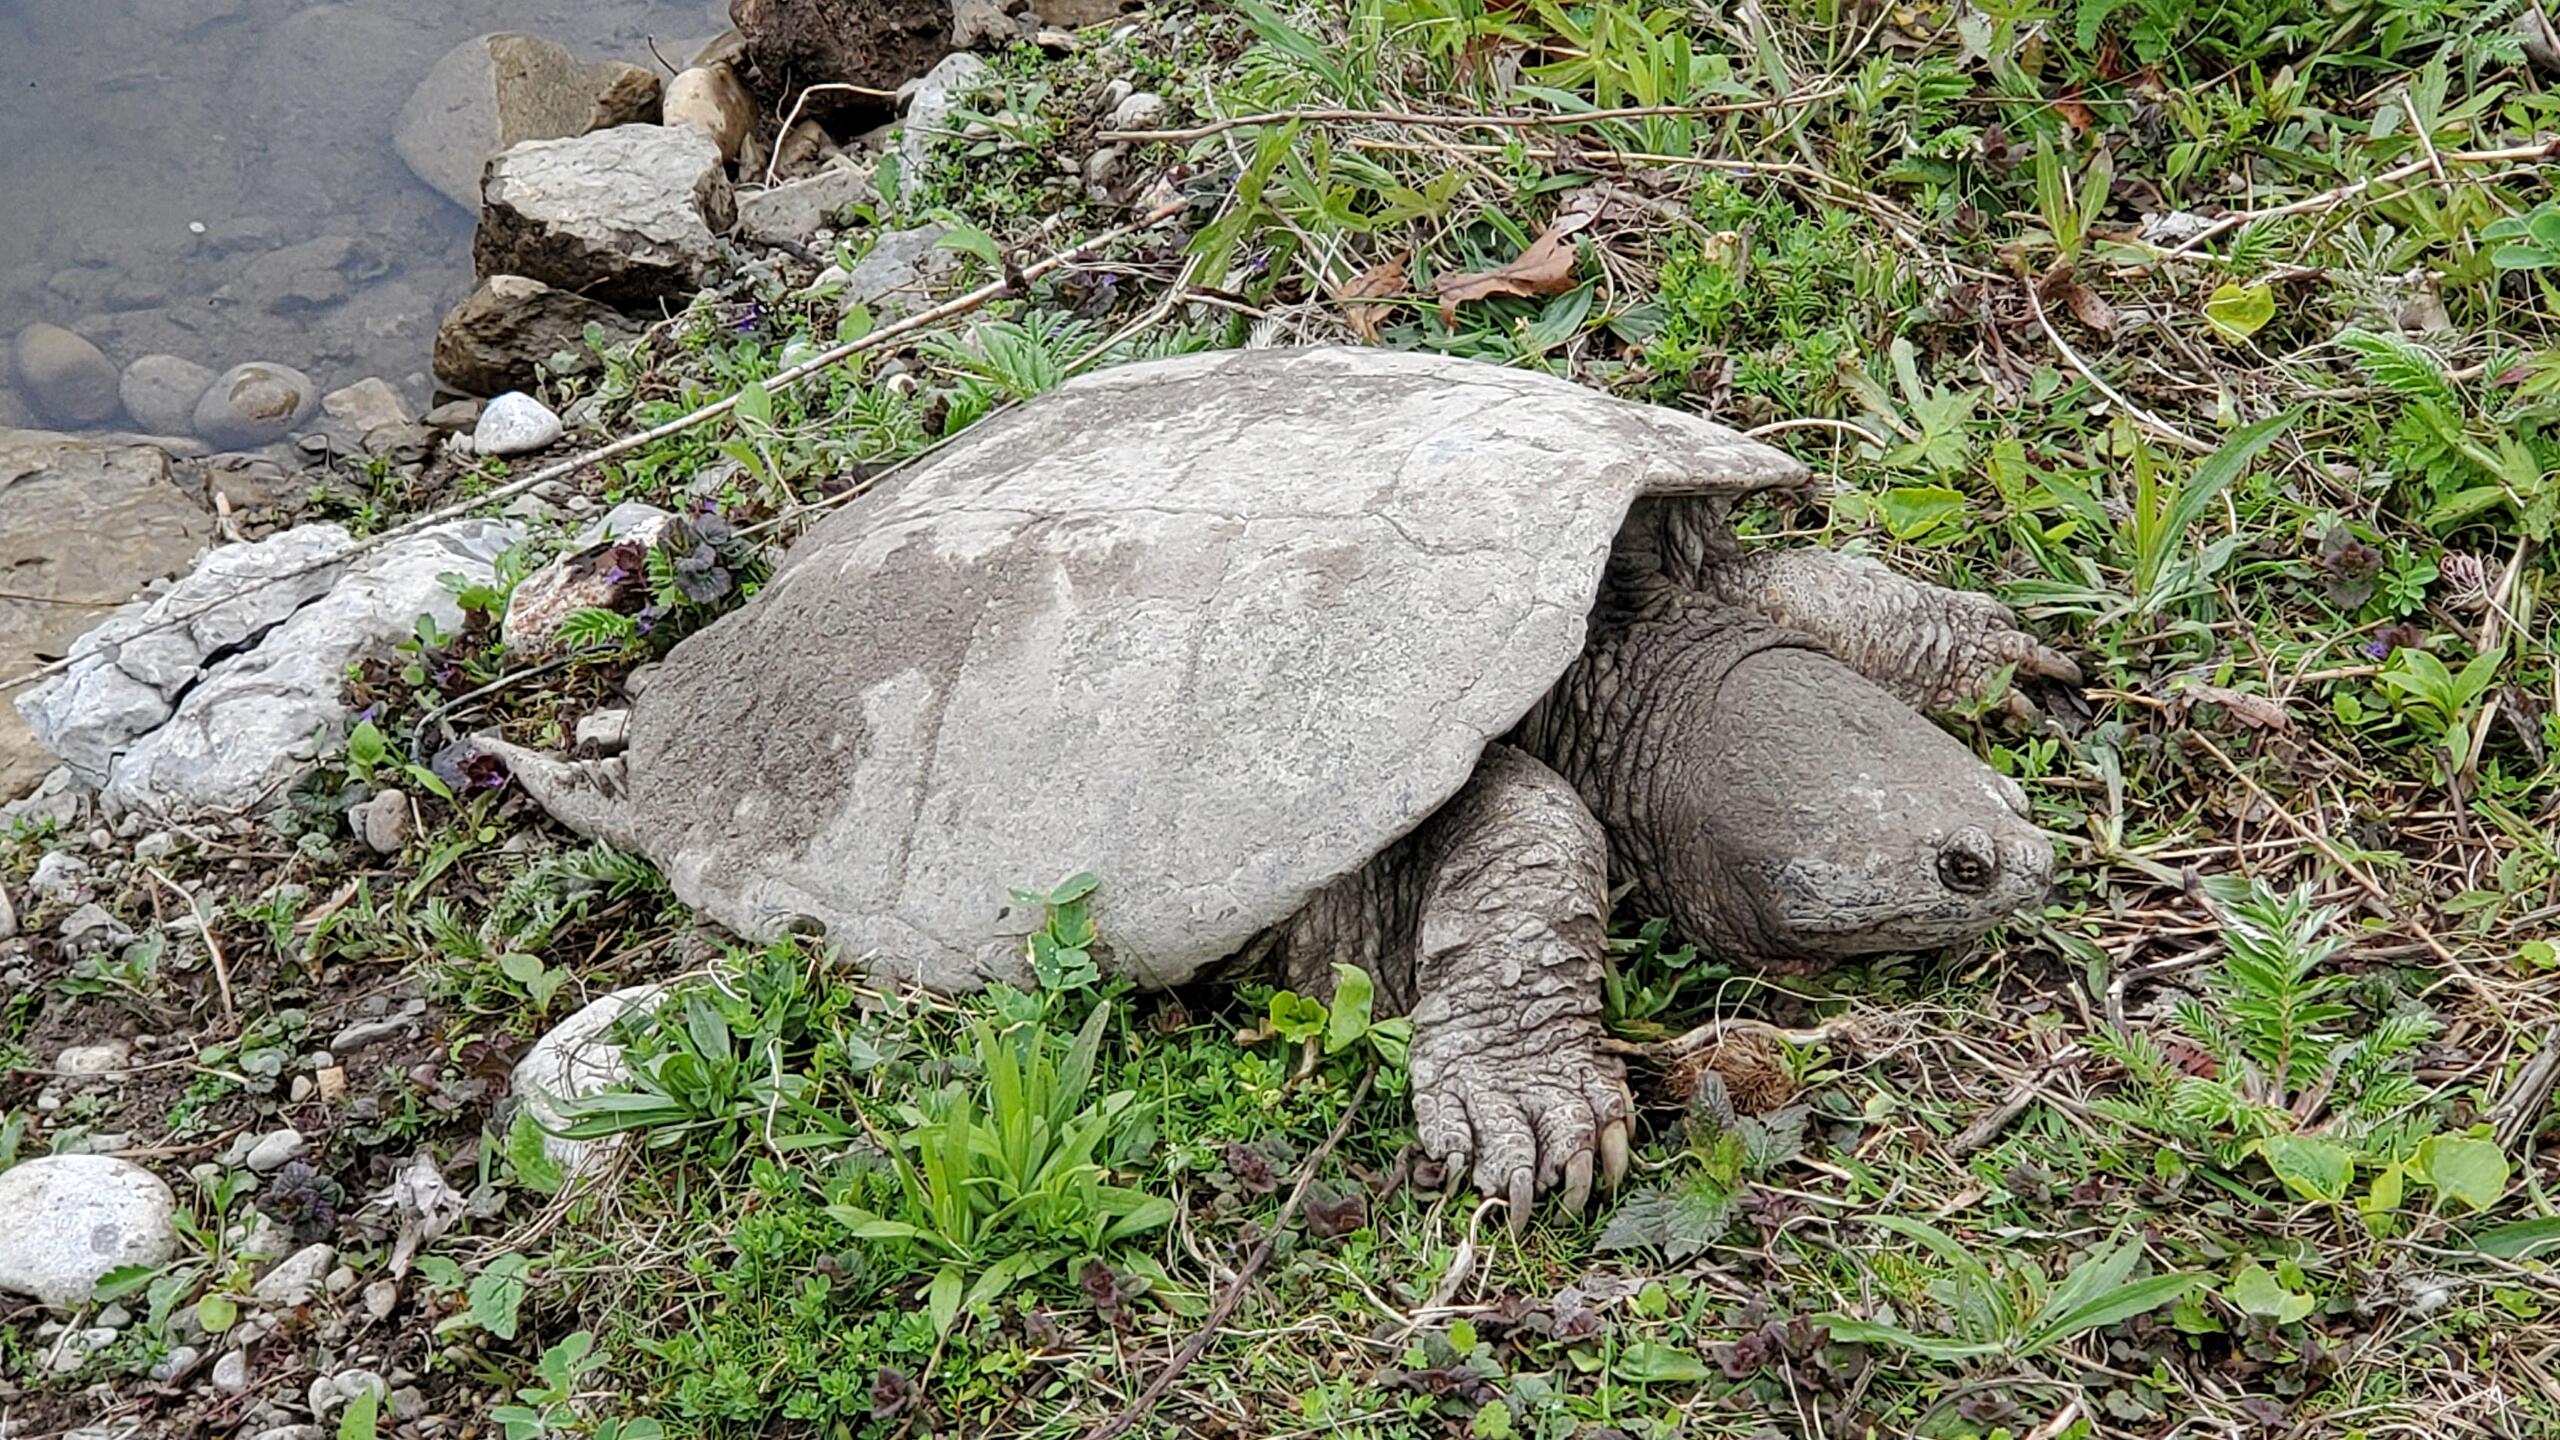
x,y
750,315
649,616
369,713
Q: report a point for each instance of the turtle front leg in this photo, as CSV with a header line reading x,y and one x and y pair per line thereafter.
x,y
1510,1077
1930,646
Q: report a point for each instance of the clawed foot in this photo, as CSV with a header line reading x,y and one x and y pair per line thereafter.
x,y
1523,1124
1984,640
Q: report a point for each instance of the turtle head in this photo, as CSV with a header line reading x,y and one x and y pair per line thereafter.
x,y
1820,818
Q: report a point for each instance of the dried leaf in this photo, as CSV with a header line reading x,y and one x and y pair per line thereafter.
x,y
2074,113
1383,279
2256,710
1545,268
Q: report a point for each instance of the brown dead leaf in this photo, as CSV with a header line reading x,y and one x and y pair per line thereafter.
x,y
2253,710
2061,286
1385,278
2075,113
1545,268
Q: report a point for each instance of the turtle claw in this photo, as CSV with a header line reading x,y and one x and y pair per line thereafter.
x,y
1525,1125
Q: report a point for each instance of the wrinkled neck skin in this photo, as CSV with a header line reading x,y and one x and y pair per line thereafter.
x,y
1771,803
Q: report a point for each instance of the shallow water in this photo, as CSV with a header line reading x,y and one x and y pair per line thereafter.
x,y
153,151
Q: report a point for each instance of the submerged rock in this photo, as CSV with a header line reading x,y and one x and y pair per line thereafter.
x,y
66,1220
255,404
68,380
160,393
503,331
220,693
627,215
496,91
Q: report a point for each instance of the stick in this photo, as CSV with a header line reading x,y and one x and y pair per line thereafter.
x,y
2149,421
1467,122
2327,198
785,380
1233,1295
221,967
2021,1095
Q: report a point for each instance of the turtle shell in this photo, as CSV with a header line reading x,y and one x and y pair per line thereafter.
x,y
1215,629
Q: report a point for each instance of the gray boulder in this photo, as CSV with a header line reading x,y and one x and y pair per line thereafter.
x,y
497,337
797,209
68,380
83,525
66,1220
496,91
627,215
221,692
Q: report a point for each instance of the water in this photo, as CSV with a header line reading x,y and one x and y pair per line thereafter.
x,y
153,152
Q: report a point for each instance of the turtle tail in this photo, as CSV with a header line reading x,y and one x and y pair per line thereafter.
x,y
589,796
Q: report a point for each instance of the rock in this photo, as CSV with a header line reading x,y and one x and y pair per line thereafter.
x,y
711,99
604,732
160,393
330,1393
1138,111
250,484
255,404
303,279
340,1281
67,1350
896,277
381,1298
66,1220
231,1372
794,211
177,1362
82,526
366,406
365,1034
454,415
878,44
2539,39
611,572
496,91
62,878
626,216
982,22
68,380
575,1060
515,424
223,709
940,92
804,148
274,1149
384,822
296,1278
509,330
90,930
105,1058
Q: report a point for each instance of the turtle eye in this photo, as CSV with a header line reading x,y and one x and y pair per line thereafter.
x,y
1967,862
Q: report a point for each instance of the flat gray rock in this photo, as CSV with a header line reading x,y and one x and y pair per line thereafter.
x,y
625,215
1217,629
66,1220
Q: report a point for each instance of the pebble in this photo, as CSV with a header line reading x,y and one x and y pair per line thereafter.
x,y
604,731
231,1372
297,1277
384,822
273,1150
90,930
1137,112
158,845
160,393
104,1058
366,406
61,877
177,1362
294,1432
381,1298
329,1392
515,424
301,1089
454,415
67,1350
115,1317
66,1220
67,379
341,1280
366,1033
255,404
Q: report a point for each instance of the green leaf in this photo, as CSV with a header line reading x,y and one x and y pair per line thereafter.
x,y
1353,992
1294,1017
942,1300
1650,1362
1868,1332
530,1157
217,1312
497,1293
1073,888
755,404
363,1413
2119,1305
2257,1291
2520,1239
365,746
2237,312
2471,1171
2312,1169
1911,511
2224,466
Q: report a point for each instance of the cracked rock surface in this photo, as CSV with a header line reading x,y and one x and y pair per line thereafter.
x,y
217,693
625,216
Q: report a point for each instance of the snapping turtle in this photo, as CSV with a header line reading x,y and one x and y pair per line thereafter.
x,y
1335,655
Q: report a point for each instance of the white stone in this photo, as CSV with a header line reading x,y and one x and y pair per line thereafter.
x,y
1137,112
60,877
66,1220
105,1058
274,1149
897,274
231,1372
216,695
296,1278
575,1060
515,424
943,89
381,1298
798,209
383,822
